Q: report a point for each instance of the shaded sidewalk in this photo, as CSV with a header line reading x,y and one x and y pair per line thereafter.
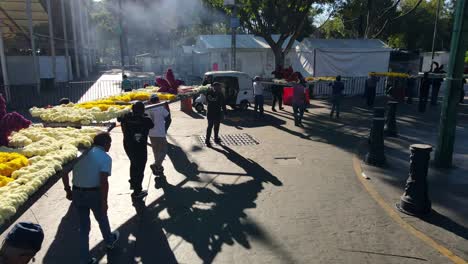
x,y
448,222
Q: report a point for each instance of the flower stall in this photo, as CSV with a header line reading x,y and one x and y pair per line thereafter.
x,y
33,158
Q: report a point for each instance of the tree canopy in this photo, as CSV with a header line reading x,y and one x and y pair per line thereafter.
x,y
290,20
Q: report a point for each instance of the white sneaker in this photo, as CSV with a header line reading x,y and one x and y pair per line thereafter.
x,y
116,235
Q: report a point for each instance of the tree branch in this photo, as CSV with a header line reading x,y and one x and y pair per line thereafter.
x,y
409,11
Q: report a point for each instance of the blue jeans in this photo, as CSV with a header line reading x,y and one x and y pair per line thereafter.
x,y
86,201
259,103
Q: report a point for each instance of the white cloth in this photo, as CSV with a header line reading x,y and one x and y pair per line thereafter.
x,y
158,116
258,88
86,172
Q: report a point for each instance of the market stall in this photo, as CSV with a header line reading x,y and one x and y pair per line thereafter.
x,y
33,157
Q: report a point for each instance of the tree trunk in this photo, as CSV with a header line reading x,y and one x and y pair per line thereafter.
x,y
279,57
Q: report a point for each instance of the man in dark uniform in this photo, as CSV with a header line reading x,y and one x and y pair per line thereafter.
x,y
277,90
424,92
215,110
135,128
436,84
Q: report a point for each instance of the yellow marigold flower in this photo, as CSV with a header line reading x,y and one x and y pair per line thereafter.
x,y
10,162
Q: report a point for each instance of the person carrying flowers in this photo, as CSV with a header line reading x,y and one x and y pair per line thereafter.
x,y
135,128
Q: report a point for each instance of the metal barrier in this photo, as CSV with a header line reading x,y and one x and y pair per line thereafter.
x,y
27,96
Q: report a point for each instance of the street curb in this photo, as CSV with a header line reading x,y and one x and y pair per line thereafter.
x,y
390,210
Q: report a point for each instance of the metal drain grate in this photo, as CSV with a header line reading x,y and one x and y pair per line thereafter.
x,y
232,140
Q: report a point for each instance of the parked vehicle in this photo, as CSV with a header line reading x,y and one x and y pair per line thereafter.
x,y
237,89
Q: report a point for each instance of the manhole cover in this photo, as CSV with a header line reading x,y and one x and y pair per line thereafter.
x,y
232,140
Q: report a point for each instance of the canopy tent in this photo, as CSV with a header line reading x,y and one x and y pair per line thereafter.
x,y
346,57
253,54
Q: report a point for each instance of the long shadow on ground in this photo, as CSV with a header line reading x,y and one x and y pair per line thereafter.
x,y
206,217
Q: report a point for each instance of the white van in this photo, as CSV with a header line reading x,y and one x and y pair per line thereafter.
x,y
237,88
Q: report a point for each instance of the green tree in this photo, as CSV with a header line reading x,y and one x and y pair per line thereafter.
x,y
288,19
372,18
417,30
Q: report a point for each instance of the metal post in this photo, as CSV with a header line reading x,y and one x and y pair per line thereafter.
x,y
76,45
51,39
65,36
233,39
88,41
435,30
379,112
415,200
122,46
82,41
390,129
33,46
448,119
6,81
376,154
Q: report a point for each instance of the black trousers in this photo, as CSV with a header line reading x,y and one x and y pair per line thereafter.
x,y
277,93
422,104
213,123
138,155
370,98
435,93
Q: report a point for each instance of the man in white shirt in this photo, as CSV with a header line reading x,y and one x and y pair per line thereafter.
x,y
158,140
258,93
90,190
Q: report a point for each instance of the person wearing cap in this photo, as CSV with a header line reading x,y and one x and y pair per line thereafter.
x,y
126,84
90,190
215,110
160,116
258,93
135,128
22,243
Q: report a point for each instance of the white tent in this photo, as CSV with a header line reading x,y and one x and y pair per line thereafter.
x,y
253,54
346,57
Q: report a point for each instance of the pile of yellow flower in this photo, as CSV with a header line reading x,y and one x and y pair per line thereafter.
x,y
390,74
98,110
9,163
48,149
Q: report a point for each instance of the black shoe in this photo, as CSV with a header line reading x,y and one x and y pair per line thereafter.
x,y
208,143
139,194
274,110
281,108
116,235
159,182
306,110
157,170
218,141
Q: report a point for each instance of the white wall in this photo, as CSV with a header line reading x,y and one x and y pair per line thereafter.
x,y
440,57
21,69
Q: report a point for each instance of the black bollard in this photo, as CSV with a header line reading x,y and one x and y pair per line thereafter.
x,y
390,129
415,200
379,112
376,154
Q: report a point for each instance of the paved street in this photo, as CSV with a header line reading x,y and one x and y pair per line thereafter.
x,y
293,198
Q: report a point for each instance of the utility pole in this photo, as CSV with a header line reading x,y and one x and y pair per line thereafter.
x,y
234,24
233,37
434,37
448,119
122,46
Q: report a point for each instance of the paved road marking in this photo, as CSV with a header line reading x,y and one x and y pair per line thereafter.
x,y
397,218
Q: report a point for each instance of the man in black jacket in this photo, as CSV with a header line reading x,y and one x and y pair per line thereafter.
x,y
216,108
135,128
